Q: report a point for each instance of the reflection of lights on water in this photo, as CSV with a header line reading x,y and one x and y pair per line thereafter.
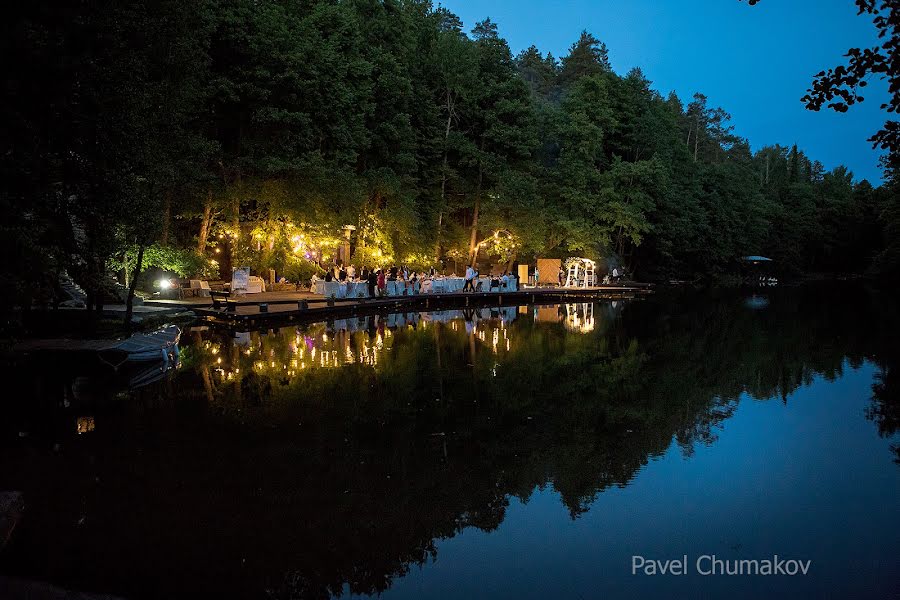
x,y
84,424
580,317
345,346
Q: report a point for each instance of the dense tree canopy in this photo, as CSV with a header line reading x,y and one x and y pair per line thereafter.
x,y
248,132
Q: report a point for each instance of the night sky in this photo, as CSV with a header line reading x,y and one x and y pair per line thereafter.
x,y
755,62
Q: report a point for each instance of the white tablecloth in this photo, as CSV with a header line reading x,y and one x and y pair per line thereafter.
x,y
357,289
341,290
448,285
440,285
255,285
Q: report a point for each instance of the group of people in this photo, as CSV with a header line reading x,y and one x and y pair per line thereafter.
x,y
377,279
614,276
409,281
412,281
498,282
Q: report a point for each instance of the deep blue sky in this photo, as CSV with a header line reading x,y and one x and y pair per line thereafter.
x,y
755,62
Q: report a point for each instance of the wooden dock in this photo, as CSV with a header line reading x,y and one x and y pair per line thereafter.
x,y
247,314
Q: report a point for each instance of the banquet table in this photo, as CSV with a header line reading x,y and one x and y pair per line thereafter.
x,y
254,285
359,289
447,285
351,289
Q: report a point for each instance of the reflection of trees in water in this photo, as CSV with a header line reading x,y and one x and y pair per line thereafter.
x,y
885,408
805,332
579,412
340,453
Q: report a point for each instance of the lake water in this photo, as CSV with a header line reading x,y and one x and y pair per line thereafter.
x,y
523,452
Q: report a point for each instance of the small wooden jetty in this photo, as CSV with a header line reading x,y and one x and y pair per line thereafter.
x,y
249,314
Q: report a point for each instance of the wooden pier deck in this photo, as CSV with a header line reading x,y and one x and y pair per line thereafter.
x,y
284,308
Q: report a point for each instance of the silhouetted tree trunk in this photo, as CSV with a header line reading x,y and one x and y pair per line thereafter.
x,y
437,243
203,236
473,246
129,301
166,218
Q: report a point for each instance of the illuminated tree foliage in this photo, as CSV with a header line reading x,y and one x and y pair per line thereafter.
x,y
130,124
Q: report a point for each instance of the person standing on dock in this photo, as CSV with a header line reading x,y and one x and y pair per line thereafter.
x,y
371,280
537,276
470,276
561,276
382,283
351,272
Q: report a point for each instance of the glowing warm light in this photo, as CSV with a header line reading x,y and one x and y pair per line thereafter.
x,y
164,284
84,425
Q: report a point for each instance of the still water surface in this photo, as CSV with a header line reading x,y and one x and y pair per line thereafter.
x,y
524,452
